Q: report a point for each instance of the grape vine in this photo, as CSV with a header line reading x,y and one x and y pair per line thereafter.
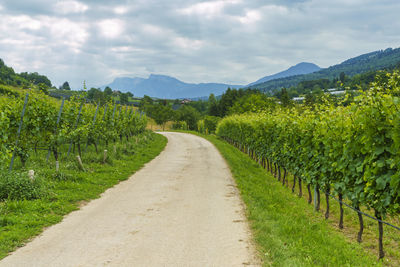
x,y
350,151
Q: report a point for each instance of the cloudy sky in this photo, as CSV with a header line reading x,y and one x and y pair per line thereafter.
x,y
229,41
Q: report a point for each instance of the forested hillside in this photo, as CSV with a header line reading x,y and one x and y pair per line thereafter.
x,y
9,77
378,60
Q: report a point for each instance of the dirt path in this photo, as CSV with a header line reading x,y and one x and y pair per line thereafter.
x,y
181,209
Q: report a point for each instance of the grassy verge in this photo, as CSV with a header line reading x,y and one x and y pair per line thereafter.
x,y
286,229
55,194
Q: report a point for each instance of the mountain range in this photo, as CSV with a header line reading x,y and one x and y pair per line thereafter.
x,y
301,68
370,62
168,87
162,86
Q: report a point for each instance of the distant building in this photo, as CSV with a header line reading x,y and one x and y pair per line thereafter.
x,y
331,91
298,99
185,101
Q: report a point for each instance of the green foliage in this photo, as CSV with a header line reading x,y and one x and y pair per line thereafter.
x,y
146,104
180,125
286,231
221,108
284,97
210,123
212,105
66,86
97,96
95,124
354,149
200,105
43,88
18,186
36,78
123,98
189,115
162,113
200,127
108,91
252,103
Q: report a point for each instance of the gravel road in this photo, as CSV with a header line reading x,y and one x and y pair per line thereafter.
x,y
181,209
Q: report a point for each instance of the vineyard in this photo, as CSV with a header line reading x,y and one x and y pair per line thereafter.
x,y
349,151
33,122
56,154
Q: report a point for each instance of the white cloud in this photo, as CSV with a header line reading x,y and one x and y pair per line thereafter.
x,y
152,29
68,7
187,43
234,41
250,17
111,28
208,9
69,33
24,22
121,10
42,32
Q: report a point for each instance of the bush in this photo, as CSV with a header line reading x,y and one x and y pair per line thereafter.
x,y
179,125
18,186
210,123
200,127
188,114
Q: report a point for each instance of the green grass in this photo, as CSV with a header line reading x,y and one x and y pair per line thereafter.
x,y
286,229
20,220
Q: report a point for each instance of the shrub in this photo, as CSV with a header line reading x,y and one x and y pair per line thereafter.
x,y
18,186
210,123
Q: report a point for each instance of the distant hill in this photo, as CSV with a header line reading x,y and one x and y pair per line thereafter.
x,y
162,86
382,59
301,68
9,77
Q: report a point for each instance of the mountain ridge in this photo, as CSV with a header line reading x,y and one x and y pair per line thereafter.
x,y
300,68
372,61
174,88
163,86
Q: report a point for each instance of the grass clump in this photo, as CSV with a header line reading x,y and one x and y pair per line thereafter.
x,y
18,186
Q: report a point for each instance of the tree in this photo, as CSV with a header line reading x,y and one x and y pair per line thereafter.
x,y
309,100
189,115
210,123
36,78
129,94
146,100
108,91
212,106
342,77
97,96
43,88
285,99
65,86
252,103
123,98
145,104
162,113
